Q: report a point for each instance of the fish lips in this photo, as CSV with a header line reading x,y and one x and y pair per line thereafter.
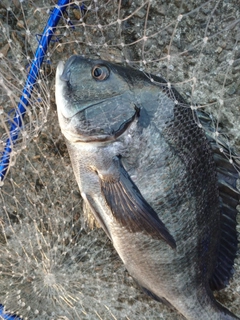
x,y
62,102
73,123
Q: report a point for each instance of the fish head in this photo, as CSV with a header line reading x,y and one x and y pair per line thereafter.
x,y
95,99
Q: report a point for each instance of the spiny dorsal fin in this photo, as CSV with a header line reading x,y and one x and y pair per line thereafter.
x,y
228,174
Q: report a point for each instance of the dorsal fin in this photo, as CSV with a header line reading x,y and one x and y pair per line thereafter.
x,y
228,174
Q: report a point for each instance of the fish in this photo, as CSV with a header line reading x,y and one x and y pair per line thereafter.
x,y
154,180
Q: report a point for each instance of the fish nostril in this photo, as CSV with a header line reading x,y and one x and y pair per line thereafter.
x,y
70,61
65,75
67,68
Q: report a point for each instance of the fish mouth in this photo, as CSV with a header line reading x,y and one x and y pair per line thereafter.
x,y
87,136
60,85
62,77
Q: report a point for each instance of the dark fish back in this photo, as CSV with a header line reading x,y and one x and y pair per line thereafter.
x,y
190,143
209,171
229,199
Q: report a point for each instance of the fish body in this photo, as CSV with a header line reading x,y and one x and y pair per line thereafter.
x,y
147,172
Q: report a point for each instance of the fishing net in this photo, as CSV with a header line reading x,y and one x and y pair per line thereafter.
x,y
51,267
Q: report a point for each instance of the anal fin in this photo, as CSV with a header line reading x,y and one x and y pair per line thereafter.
x,y
154,296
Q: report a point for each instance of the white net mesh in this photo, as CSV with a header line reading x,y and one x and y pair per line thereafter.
x,y
50,268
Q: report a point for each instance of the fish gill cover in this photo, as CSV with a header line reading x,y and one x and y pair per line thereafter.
x,y
50,266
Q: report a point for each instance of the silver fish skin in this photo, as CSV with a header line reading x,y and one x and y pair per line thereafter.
x,y
146,171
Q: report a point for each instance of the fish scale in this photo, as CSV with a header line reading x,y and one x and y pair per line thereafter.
x,y
150,177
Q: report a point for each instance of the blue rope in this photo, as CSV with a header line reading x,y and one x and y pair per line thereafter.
x,y
17,121
24,100
6,316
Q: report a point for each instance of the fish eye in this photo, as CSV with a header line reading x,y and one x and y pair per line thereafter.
x,y
100,72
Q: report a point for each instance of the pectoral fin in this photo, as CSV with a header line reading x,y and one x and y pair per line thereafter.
x,y
129,207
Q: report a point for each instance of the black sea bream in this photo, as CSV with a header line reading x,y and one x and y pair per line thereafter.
x,y
153,180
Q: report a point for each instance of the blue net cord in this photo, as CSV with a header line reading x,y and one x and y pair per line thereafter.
x,y
17,121
6,316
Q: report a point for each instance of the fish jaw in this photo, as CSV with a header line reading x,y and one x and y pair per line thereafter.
x,y
59,88
62,103
64,116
